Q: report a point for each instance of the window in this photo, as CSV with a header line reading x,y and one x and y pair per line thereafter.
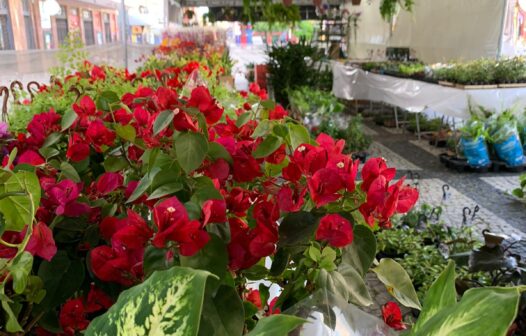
x,y
89,35
28,22
61,20
107,27
6,37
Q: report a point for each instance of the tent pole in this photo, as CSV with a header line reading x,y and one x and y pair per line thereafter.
x,y
502,23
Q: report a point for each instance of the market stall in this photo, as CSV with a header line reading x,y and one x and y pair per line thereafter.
x,y
417,96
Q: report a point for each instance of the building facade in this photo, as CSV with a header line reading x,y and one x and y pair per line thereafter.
x,y
25,24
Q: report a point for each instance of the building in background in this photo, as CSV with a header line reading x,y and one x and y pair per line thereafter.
x,y
28,24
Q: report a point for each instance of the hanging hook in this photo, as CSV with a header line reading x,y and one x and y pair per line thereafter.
x,y
5,91
76,91
445,192
465,213
14,90
436,213
30,90
475,210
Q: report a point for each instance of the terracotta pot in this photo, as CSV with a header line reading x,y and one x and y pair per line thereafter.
x,y
287,2
261,75
356,2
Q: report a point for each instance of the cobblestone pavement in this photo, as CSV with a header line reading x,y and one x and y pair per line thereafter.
x,y
498,211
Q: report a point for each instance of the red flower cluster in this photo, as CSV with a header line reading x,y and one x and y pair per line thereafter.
x,y
393,316
384,200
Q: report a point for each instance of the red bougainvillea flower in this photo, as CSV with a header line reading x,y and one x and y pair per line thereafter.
x,y
238,201
291,200
392,316
336,230
324,186
132,233
332,146
109,182
97,300
201,98
277,156
258,91
31,157
78,149
42,125
310,159
97,73
173,224
373,168
41,242
277,113
73,316
254,297
214,211
246,167
112,266
86,111
99,135
272,309
64,196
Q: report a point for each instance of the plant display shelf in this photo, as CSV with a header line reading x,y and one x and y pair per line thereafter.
x,y
461,165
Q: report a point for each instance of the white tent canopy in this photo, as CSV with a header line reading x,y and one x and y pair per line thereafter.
x,y
443,30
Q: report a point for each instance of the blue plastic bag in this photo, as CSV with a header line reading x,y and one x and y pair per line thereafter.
x,y
510,151
476,151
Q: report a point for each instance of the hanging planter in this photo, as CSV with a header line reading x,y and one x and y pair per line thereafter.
x,y
356,2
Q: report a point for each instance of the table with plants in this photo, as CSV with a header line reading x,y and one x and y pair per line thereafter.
x,y
161,202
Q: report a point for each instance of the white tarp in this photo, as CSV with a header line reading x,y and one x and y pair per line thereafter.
x,y
417,96
436,30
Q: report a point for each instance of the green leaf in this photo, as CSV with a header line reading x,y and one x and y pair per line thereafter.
x,y
154,260
296,229
126,132
48,152
166,189
69,172
143,185
217,151
223,314
168,303
17,209
269,104
298,135
20,270
276,325
481,311
441,294
62,277
106,99
362,251
115,163
242,119
52,139
12,324
279,262
213,257
397,281
68,119
281,130
191,149
162,121
261,129
204,190
267,147
347,283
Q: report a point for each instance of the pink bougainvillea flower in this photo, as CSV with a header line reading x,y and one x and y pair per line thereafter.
x,y
73,316
31,157
99,135
78,149
324,186
64,196
336,230
392,316
41,242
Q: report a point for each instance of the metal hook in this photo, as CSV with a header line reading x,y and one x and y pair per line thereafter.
x,y
5,91
465,213
76,91
445,193
30,90
13,92
475,210
435,212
